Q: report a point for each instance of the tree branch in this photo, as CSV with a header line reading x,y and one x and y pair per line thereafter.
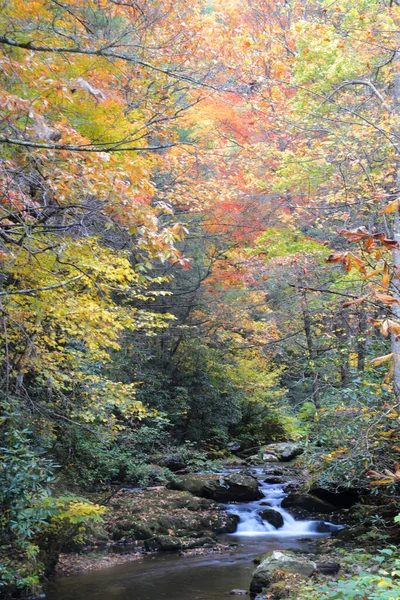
x,y
43,289
103,53
72,148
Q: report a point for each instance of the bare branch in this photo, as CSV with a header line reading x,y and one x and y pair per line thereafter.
x,y
73,148
43,289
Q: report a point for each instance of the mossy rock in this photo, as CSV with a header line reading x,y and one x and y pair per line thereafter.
x,y
164,543
271,567
141,532
221,488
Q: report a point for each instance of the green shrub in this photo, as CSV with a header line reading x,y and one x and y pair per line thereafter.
x,y
34,525
379,579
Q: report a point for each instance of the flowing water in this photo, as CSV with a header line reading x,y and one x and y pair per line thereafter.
x,y
211,577
252,525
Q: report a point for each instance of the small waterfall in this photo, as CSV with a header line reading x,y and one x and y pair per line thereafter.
x,y
251,524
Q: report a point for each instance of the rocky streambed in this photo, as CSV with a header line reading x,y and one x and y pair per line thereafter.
x,y
197,538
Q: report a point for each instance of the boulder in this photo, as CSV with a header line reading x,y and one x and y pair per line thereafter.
x,y
145,515
233,447
328,568
340,498
285,451
164,543
274,479
173,463
263,576
306,504
234,487
269,457
293,486
203,542
141,532
272,516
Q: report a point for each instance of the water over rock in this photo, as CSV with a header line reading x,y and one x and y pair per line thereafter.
x,y
272,516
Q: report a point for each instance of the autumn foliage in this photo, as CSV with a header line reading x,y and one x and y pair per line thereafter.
x,y
199,231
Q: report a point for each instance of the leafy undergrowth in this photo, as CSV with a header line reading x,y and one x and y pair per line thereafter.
x,y
364,577
368,572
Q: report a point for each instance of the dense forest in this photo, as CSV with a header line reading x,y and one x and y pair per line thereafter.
x,y
199,253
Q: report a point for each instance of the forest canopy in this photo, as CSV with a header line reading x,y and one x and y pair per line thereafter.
x,y
199,243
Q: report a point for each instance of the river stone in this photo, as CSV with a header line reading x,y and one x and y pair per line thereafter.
x,y
234,487
269,457
285,451
141,532
238,593
205,542
165,543
328,568
272,516
323,527
340,498
307,503
173,463
278,561
233,447
274,479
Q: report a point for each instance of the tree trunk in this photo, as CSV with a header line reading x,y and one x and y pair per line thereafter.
x,y
341,331
311,349
361,339
396,229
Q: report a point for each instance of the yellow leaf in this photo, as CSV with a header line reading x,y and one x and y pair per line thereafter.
x,y
381,359
382,481
373,273
391,207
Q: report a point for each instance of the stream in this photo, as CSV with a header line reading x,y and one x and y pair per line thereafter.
x,y
209,577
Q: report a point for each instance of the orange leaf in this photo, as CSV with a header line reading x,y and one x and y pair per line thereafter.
x,y
358,263
355,235
335,257
385,327
390,243
386,299
394,327
391,207
386,277
369,244
373,273
352,302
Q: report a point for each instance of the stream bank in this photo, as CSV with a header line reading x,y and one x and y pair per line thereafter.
x,y
272,537
210,546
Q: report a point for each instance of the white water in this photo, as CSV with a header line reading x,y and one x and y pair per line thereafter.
x,y
252,525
